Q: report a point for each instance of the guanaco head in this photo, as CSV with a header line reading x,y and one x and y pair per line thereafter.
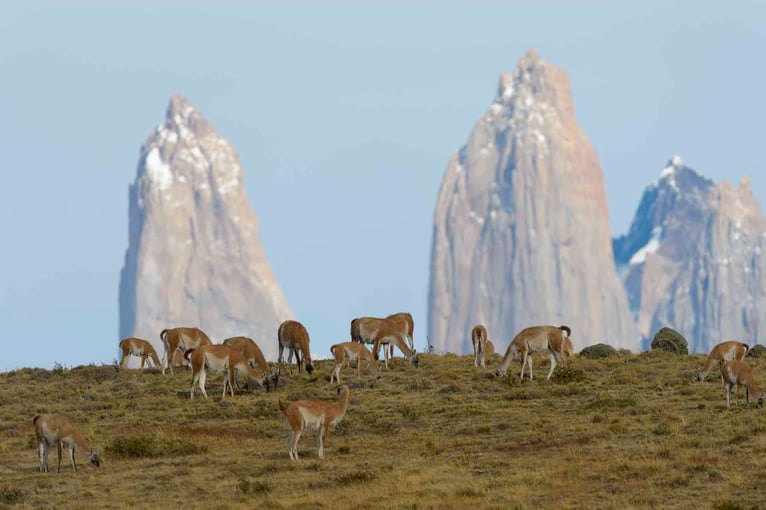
x,y
759,401
309,366
270,380
699,375
94,458
414,360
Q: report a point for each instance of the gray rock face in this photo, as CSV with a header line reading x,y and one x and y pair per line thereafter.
x,y
701,270
654,252
521,228
194,255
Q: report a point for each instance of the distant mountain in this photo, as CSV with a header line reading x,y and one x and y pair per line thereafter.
x,y
194,254
521,227
692,259
651,256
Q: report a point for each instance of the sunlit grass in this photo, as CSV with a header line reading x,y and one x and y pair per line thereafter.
x,y
628,431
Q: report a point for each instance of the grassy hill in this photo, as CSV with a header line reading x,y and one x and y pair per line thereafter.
x,y
632,431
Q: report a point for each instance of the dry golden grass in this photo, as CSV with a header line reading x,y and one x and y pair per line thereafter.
x,y
632,431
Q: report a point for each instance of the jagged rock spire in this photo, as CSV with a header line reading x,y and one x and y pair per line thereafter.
x,y
521,228
194,255
692,259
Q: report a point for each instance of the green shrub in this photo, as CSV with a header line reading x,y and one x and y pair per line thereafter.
x,y
96,373
355,477
132,447
567,373
598,351
670,340
149,446
248,487
757,351
727,505
11,496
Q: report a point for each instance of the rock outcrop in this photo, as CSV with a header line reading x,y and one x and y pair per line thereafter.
x,y
521,227
194,254
693,259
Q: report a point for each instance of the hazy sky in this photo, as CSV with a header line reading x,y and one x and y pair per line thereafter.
x,y
344,118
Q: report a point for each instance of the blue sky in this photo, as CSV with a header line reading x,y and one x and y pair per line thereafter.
x,y
344,118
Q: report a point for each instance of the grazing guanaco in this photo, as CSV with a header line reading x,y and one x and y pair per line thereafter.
x,y
312,415
250,350
138,347
731,350
293,336
407,319
349,351
393,331
59,430
479,340
364,329
252,353
219,358
181,339
536,339
738,373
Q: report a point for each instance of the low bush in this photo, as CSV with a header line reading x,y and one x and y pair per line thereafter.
x,y
757,351
152,446
670,340
598,351
11,496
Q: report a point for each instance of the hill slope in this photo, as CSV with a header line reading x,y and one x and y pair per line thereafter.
x,y
629,431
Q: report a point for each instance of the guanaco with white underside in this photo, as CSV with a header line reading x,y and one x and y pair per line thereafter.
x,y
731,350
181,339
294,336
254,356
56,429
536,339
219,358
250,350
364,329
738,373
349,351
138,347
394,331
479,340
312,415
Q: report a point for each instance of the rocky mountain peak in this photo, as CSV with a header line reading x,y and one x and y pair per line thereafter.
x,y
521,228
679,193
535,91
194,256
692,258
183,119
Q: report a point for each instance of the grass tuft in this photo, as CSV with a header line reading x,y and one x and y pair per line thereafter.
x,y
563,374
12,496
253,487
355,477
137,447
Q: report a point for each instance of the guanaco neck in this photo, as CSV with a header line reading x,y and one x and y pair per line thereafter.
x,y
342,404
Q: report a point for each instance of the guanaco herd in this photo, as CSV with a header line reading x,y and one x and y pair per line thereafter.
x,y
242,355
